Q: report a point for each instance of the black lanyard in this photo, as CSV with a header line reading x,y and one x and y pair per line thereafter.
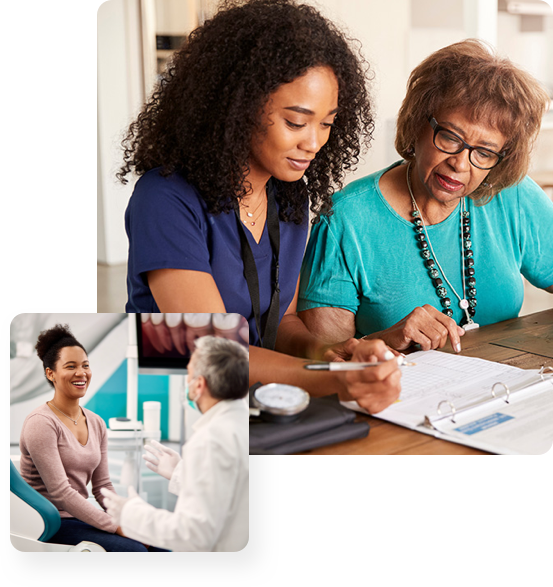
x,y
266,325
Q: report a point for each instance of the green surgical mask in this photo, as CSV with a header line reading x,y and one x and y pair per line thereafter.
x,y
192,403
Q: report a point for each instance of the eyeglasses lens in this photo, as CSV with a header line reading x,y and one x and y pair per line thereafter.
x,y
450,143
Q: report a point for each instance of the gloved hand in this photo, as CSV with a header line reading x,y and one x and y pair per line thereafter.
x,y
114,503
161,459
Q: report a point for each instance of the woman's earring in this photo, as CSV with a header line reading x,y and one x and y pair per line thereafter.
x,y
410,151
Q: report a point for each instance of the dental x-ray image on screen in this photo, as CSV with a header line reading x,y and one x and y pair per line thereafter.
x,y
166,340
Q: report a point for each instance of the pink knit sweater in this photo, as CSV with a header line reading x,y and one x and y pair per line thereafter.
x,y
59,467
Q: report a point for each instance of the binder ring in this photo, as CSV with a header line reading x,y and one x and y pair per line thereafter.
x,y
451,406
507,390
546,373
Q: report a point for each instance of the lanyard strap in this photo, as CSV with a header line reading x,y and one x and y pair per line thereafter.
x,y
266,325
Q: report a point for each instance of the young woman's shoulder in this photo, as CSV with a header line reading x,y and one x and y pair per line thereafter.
x,y
153,185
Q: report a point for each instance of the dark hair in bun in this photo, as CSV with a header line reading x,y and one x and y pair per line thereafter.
x,y
51,341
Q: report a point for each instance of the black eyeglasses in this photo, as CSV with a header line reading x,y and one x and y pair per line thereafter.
x,y
448,142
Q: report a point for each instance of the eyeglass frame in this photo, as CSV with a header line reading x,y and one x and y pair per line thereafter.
x,y
437,128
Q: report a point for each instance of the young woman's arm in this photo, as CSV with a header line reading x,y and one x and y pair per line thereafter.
x,y
374,388
178,290
295,339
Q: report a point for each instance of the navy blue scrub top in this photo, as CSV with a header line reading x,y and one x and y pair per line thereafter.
x,y
168,227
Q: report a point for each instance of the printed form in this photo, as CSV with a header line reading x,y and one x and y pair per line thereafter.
x,y
524,424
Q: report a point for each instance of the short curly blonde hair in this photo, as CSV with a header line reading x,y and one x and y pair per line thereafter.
x,y
469,74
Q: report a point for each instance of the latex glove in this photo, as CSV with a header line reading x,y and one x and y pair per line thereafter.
x,y
161,459
114,503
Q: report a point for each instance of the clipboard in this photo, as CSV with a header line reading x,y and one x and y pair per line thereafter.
x,y
505,392
489,406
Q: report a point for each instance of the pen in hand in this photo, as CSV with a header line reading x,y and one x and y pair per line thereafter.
x,y
351,366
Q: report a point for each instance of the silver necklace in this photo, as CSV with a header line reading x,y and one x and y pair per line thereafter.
x,y
74,421
464,304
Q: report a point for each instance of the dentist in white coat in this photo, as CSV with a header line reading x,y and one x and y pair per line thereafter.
x,y
212,478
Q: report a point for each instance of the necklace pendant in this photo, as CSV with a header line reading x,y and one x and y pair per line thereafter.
x,y
249,214
75,423
470,326
245,222
463,304
252,223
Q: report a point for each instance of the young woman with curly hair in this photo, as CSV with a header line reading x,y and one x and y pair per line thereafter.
x,y
254,123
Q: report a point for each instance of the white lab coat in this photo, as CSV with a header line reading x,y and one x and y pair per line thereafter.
x,y
212,484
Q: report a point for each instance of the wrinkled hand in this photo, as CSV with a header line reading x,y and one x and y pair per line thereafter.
x,y
373,388
161,459
426,326
341,351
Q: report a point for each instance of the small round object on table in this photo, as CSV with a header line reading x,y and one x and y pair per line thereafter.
x,y
278,402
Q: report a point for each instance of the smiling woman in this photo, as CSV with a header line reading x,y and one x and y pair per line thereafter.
x,y
254,124
295,125
64,447
262,108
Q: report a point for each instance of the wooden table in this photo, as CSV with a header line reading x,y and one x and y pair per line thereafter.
x,y
525,342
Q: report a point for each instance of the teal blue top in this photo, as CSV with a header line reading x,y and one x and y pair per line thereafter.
x,y
365,259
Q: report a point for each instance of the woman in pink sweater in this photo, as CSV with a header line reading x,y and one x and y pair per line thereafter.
x,y
64,446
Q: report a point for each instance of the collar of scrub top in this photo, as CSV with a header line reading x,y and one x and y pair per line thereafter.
x,y
267,333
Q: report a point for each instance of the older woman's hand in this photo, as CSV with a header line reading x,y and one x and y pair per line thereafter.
x,y
373,388
426,326
341,351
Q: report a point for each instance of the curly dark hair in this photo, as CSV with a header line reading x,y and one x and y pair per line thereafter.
x,y
51,341
207,106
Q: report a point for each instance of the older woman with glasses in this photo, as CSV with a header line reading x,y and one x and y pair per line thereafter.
x,y
436,244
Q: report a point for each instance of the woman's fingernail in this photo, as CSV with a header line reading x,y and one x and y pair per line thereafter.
x,y
457,348
388,355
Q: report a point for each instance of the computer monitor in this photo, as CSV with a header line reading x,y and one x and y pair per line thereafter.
x,y
166,340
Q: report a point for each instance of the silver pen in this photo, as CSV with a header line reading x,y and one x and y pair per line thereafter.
x,y
351,366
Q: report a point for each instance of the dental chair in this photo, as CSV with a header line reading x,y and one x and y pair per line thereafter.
x,y
34,519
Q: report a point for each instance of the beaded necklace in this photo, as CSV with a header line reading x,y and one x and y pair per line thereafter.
x,y
432,264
